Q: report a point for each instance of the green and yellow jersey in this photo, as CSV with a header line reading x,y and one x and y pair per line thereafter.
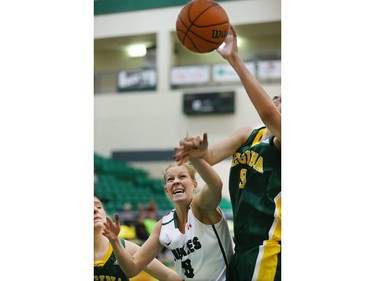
x,y
255,191
108,268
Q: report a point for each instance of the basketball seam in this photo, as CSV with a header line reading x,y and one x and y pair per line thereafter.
x,y
201,13
192,42
187,28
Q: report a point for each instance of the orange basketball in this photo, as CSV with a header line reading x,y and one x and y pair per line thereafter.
x,y
202,26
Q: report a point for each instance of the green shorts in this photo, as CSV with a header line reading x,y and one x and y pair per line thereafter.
x,y
261,263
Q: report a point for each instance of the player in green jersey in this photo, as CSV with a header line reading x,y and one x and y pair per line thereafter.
x,y
254,180
106,266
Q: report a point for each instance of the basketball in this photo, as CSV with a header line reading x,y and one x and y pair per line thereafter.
x,y
202,26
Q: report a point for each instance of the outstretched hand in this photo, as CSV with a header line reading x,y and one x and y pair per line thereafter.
x,y
112,229
191,147
229,47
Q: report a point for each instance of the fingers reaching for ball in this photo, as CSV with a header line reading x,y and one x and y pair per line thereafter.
x,y
191,147
229,47
112,228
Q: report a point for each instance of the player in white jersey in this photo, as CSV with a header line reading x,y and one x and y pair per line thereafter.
x,y
195,230
202,252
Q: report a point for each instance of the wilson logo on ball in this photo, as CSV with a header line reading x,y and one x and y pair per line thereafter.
x,y
219,33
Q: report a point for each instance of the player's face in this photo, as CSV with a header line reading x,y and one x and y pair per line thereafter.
x,y
99,212
179,185
277,101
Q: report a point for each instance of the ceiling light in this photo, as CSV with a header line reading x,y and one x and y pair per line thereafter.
x,y
240,41
137,50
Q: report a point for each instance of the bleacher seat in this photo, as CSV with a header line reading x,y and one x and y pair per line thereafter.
x,y
118,182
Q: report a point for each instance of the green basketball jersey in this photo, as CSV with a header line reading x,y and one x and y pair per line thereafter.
x,y
255,191
108,268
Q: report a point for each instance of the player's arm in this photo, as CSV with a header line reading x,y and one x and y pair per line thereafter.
x,y
155,268
262,102
132,265
151,248
191,147
205,203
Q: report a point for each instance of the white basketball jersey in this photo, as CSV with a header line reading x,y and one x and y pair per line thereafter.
x,y
199,254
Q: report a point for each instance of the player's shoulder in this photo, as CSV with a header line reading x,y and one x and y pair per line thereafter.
x,y
167,218
243,133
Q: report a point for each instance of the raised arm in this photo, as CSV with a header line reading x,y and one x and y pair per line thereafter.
x,y
130,264
191,147
205,203
262,102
